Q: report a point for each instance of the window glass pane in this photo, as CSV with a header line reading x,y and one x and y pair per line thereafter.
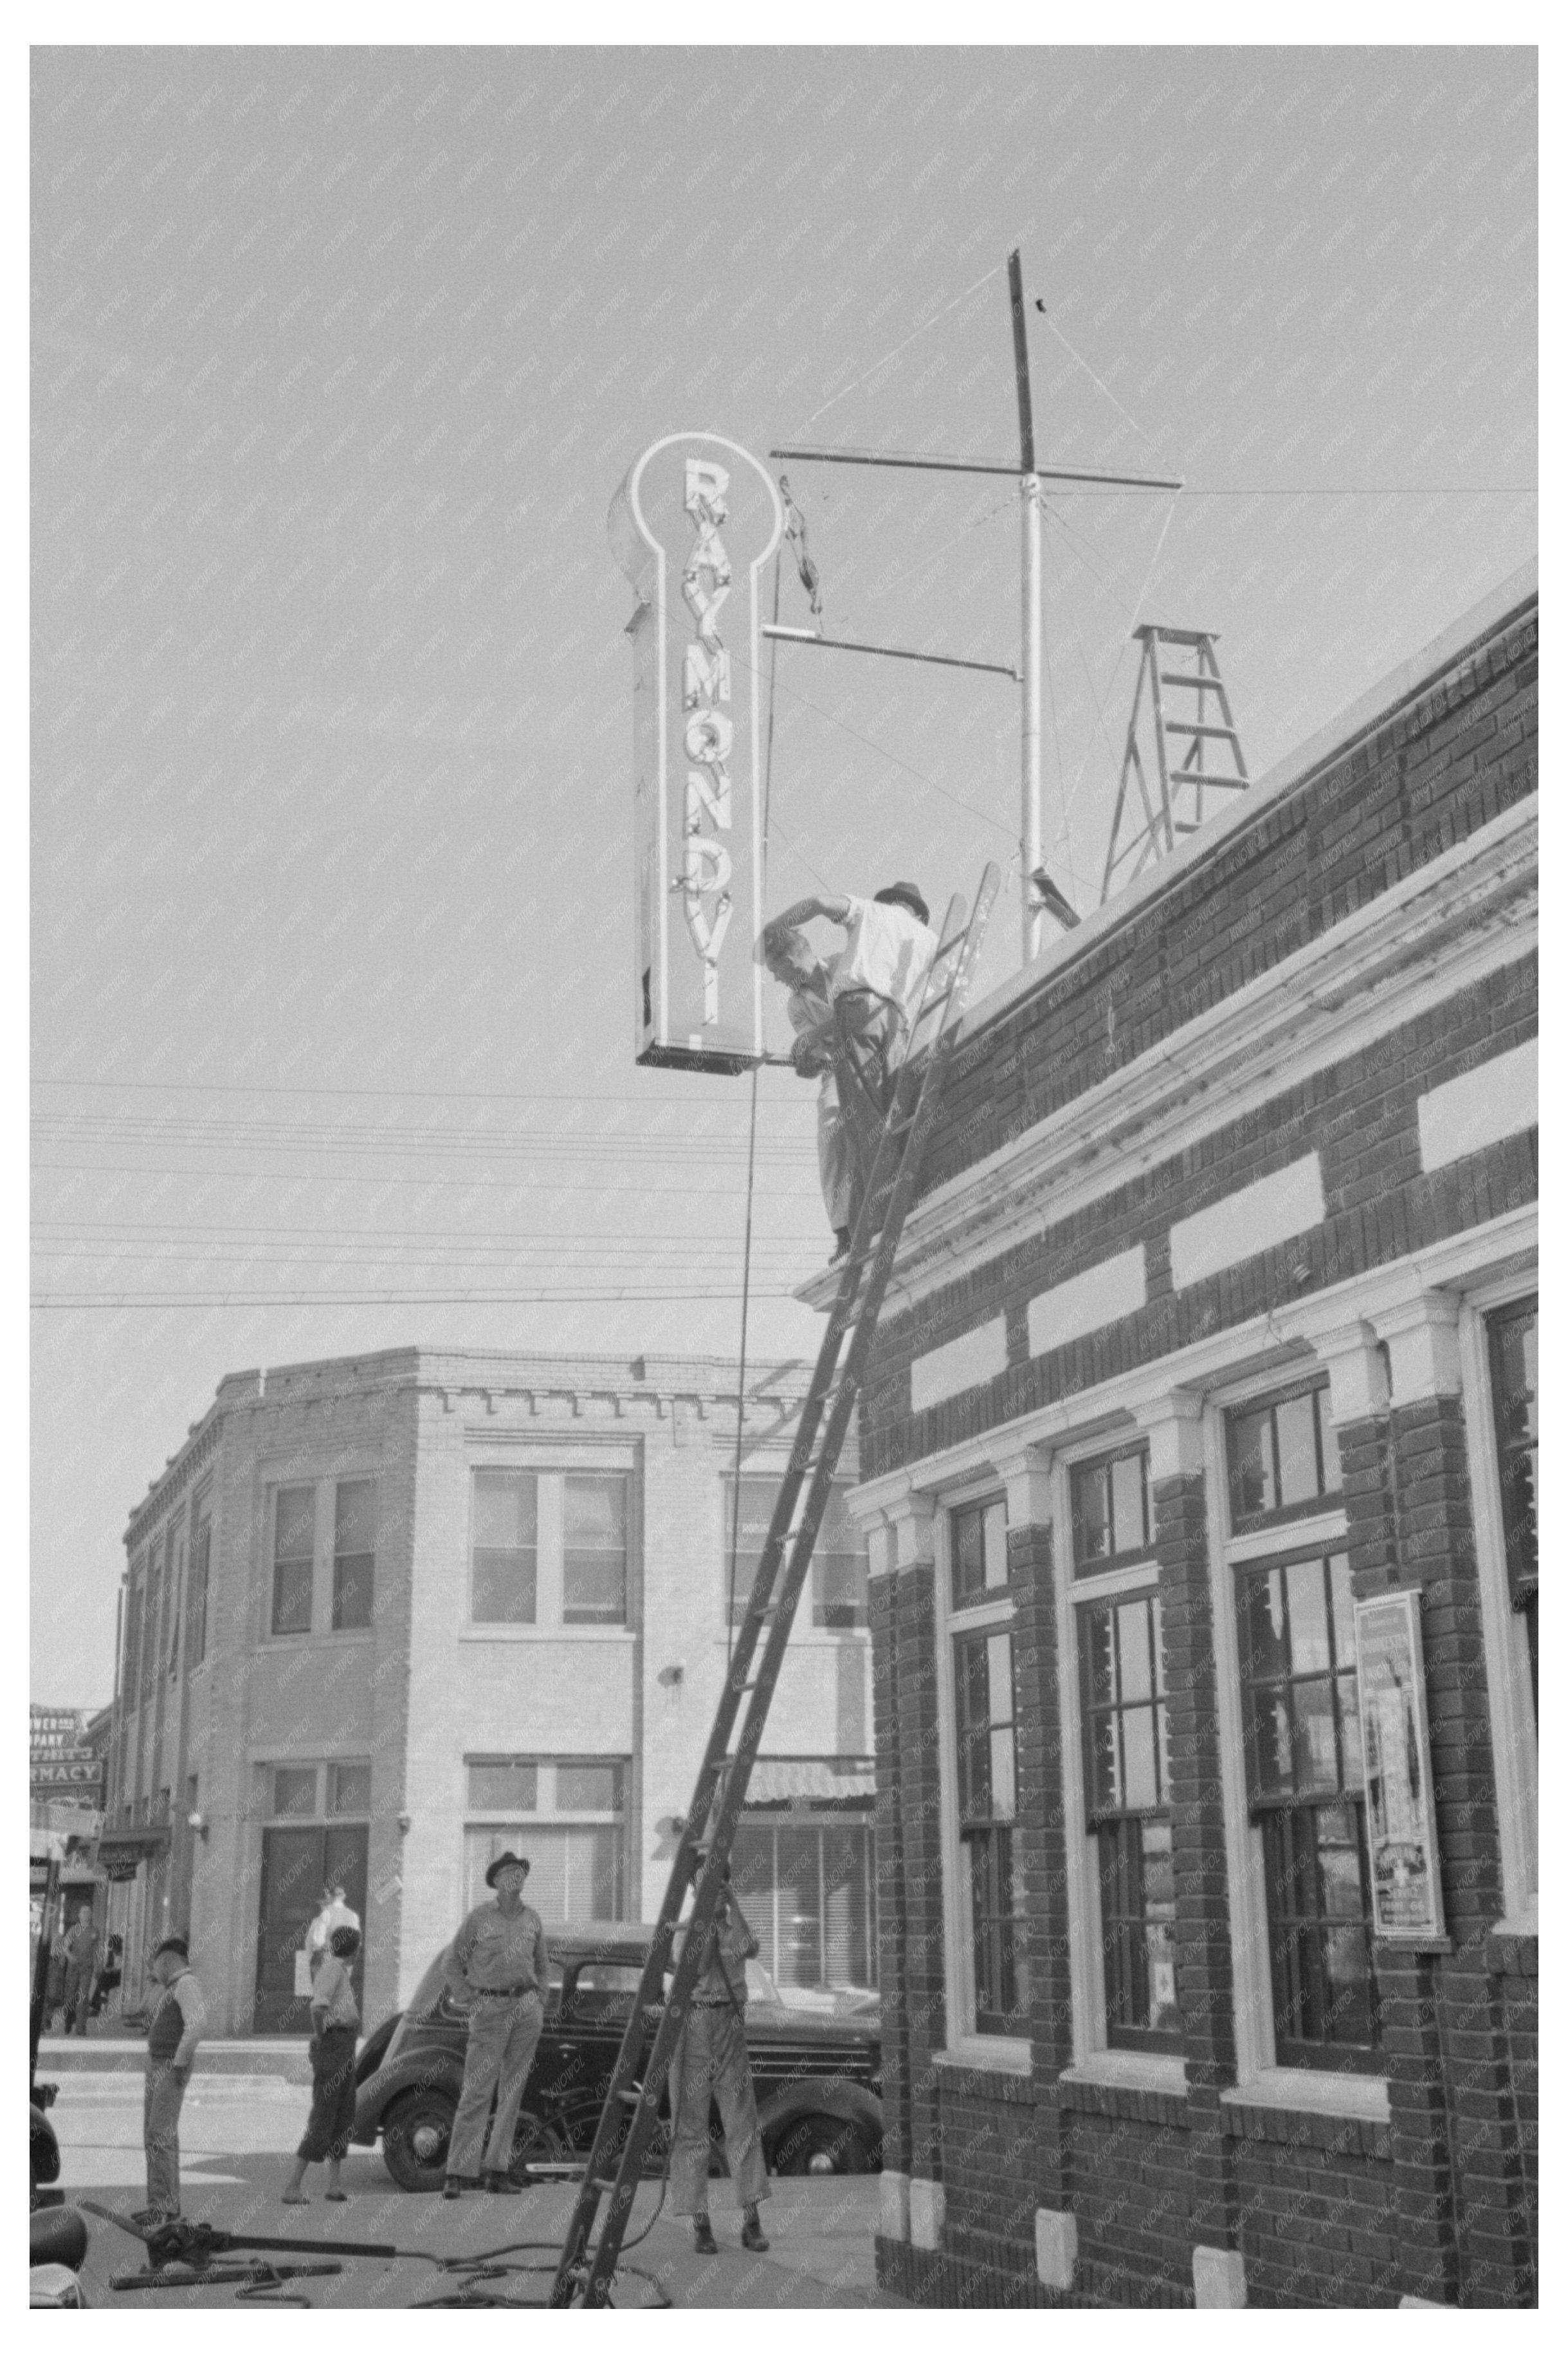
x,y
841,1593
588,1789
294,1790
1105,1776
504,1589
968,1531
595,1854
999,1679
295,1531
1252,1462
505,1510
1132,1646
356,1510
1003,1794
1091,1512
595,1511
995,1544
800,1908
1268,1744
1264,1653
1296,1428
1316,1761
291,1598
1137,1746
1099,1655
1343,1607
353,1589
593,1589
348,1789
510,1782
1129,1530
1308,1617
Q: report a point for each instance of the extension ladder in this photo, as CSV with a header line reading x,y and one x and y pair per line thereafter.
x,y
629,2117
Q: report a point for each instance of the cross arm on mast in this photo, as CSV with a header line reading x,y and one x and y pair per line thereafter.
x,y
1097,477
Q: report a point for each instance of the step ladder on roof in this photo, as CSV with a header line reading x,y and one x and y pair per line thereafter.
x,y
1154,833
630,2113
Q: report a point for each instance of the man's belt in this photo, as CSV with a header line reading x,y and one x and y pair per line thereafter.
x,y
509,1994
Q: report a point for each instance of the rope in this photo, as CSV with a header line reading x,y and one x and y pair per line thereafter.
x,y
1138,607
1104,387
903,346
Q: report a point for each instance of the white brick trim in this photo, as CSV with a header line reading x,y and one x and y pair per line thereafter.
x,y
1088,1302
1479,1108
958,1366
1254,1219
928,2210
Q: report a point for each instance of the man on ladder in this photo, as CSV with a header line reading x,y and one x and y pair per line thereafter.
x,y
873,989
711,2063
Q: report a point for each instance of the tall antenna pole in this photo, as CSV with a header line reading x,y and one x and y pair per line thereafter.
x,y
1032,618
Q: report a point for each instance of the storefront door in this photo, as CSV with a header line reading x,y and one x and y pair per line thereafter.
x,y
296,1865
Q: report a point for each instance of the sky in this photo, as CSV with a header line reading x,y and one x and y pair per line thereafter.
x,y
338,357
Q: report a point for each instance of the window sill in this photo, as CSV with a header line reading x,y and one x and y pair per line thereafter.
x,y
1138,2072
1001,2055
504,1634
328,1634
1320,2092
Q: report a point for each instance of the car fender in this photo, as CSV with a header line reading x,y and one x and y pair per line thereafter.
x,y
821,2096
430,2071
43,2146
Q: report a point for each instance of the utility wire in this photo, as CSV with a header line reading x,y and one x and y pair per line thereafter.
x,y
833,401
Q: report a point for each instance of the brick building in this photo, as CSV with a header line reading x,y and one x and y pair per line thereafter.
x,y
1215,1317
384,1616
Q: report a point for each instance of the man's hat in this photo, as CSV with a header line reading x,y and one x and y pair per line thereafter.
x,y
173,1946
904,894
499,1866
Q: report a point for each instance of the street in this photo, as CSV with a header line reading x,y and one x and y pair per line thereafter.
x,y
237,2132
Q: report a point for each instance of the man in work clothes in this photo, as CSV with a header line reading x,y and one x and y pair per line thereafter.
x,y
81,1965
501,1967
711,2063
876,986
789,958
176,2028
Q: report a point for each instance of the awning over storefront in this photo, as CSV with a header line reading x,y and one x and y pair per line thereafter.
x,y
811,1782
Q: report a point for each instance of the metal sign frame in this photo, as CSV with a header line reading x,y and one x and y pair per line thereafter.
x,y
1396,1763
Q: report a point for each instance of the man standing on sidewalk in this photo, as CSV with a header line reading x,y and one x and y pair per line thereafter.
x,y
177,2024
711,2063
81,1965
501,1967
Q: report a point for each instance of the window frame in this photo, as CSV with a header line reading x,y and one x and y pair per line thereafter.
x,y
550,1473
324,1485
548,1815
1514,1728
1282,1516
1322,1527
965,2038
819,1630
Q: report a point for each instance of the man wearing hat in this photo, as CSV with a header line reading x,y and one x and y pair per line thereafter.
x,y
176,2028
499,1969
874,987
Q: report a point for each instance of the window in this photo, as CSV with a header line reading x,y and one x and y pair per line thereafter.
x,y
294,1790
593,1578
839,1558
505,1548
1126,1780
1110,1510
1512,1343
348,1788
978,1541
574,1834
175,1571
293,1560
809,1889
1283,1459
201,1564
130,1674
354,1553
1301,1734
987,1790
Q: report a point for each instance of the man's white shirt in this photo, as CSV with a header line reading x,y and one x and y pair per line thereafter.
x,y
885,949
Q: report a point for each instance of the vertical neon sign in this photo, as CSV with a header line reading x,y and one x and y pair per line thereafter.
x,y
693,527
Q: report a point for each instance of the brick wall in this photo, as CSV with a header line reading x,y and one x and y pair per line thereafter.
x,y
1316,2209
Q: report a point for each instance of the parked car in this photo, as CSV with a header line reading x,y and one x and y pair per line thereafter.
x,y
43,2145
818,2078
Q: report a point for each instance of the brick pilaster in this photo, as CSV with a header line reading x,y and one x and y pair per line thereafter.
x,y
891,1901
920,1798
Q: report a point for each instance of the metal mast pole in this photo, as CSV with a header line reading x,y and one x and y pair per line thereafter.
x,y
1033,617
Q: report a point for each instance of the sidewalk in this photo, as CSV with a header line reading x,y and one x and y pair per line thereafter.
x,y
286,2057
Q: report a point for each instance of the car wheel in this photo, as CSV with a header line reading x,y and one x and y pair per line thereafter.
x,y
820,2145
415,2139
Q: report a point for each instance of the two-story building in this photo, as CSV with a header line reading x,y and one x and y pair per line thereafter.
x,y
1208,1976
386,1616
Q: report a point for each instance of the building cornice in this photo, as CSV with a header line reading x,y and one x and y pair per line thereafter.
x,y
1459,917
1279,1338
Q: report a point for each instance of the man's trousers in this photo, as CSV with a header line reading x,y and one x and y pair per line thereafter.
x,y
77,1997
503,2037
710,2064
165,2090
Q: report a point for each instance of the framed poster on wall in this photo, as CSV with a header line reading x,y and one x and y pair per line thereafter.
x,y
1401,1815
